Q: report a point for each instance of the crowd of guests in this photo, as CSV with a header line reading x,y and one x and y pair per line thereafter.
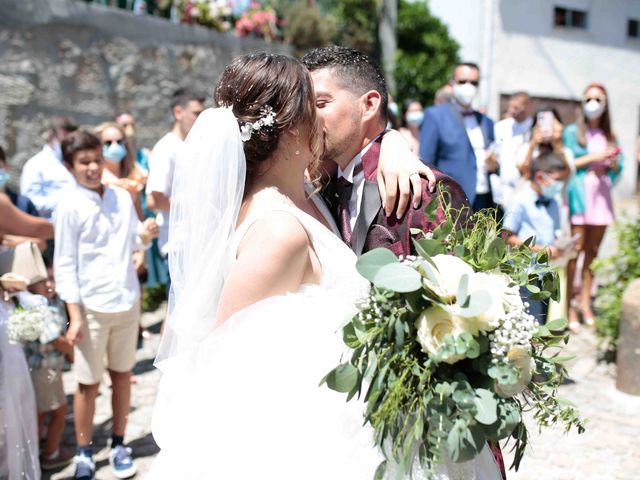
x,y
97,206
547,180
108,202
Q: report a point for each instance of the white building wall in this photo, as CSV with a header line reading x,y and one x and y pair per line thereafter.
x,y
527,52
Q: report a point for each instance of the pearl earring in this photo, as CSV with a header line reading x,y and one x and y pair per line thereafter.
x,y
297,142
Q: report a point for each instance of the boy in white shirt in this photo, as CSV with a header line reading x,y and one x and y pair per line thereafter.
x,y
97,230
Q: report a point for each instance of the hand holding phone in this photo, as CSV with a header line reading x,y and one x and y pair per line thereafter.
x,y
544,121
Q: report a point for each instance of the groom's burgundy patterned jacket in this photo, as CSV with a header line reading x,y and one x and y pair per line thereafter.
x,y
373,229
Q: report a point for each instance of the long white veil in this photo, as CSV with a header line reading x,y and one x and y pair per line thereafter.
x,y
207,192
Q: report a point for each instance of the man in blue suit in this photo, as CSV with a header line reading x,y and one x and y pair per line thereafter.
x,y
455,138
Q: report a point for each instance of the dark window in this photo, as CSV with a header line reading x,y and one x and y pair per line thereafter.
x,y
632,28
566,17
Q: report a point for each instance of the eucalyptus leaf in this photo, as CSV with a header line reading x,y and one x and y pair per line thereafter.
x,y
477,303
509,419
464,399
399,341
428,247
543,331
486,407
473,349
380,471
349,336
533,288
343,378
371,366
557,325
369,264
497,249
464,442
397,278
462,296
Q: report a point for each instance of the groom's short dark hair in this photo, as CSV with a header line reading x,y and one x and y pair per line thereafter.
x,y
358,72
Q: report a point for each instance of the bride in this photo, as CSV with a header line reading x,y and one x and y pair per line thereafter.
x,y
261,285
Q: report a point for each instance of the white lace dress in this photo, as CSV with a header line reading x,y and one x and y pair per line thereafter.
x,y
252,408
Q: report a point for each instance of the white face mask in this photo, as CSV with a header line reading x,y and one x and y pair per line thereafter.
x,y
414,118
593,109
464,93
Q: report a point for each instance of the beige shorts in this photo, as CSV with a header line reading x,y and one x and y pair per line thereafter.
x,y
115,334
47,383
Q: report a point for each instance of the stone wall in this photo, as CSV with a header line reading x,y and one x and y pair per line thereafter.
x,y
67,57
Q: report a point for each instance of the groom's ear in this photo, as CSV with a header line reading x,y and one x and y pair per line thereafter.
x,y
371,102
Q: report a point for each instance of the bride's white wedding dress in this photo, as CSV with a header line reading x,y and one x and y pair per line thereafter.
x,y
244,401
18,422
253,408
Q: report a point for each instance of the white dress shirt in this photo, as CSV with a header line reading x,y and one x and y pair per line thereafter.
x,y
95,237
479,149
161,167
510,136
358,184
44,180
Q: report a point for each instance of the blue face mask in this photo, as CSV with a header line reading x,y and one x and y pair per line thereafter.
x,y
552,190
114,153
4,178
414,118
393,108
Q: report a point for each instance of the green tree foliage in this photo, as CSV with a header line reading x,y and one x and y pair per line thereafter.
x,y
426,52
304,27
356,23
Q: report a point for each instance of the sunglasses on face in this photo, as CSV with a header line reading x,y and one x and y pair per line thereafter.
x,y
108,143
475,83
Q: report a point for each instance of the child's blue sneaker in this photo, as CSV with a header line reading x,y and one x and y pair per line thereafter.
x,y
121,462
85,468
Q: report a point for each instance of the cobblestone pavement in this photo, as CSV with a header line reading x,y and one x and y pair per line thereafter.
x,y
608,450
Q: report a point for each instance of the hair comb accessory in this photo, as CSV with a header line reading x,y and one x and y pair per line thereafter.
x,y
267,118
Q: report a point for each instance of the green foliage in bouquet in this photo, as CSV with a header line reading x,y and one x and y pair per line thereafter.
x,y
443,351
616,272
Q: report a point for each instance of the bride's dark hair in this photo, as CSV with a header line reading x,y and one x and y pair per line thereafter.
x,y
255,81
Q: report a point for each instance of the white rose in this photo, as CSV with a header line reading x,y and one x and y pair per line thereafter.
x,y
449,271
433,325
495,286
526,365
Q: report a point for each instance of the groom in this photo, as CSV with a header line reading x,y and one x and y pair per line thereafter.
x,y
351,98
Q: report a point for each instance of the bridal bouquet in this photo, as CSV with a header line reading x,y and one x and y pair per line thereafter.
x,y
444,351
26,324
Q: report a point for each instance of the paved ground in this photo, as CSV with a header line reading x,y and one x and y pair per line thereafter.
x,y
607,451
